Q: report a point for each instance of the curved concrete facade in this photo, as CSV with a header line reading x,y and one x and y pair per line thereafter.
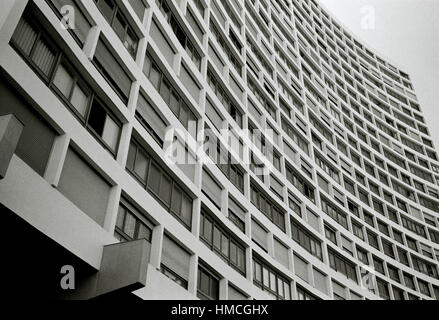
x,y
329,189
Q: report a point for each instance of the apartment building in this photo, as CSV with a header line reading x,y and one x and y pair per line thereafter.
x,y
324,187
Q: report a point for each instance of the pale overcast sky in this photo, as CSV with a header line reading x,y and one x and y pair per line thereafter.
x,y
407,34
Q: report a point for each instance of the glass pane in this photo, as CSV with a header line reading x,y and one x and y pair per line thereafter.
x,y
241,258
174,104
208,230
204,285
79,100
43,57
96,119
130,224
176,200
216,238
225,245
265,277
257,271
154,178
144,232
147,66
119,27
24,36
233,253
63,81
272,281
184,116
120,216
165,190
141,165
131,156
106,7
165,91
154,76
186,209
111,133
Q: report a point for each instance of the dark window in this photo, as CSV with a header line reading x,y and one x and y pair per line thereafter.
x,y
342,265
306,240
119,23
54,68
208,284
267,207
82,25
222,242
173,100
112,70
270,281
130,225
156,181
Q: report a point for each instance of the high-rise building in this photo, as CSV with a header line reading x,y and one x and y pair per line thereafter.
x,y
323,181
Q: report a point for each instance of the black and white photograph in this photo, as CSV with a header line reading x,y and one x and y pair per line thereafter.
x,y
169,152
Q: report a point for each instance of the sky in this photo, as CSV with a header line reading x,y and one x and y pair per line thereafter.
x,y
406,34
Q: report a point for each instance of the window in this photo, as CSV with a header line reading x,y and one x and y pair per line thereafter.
x,y
342,265
320,281
378,265
131,224
347,245
223,97
151,119
303,294
172,99
362,256
175,262
403,256
334,212
112,70
208,284
237,214
158,183
162,42
309,242
357,229
373,239
330,234
300,183
267,206
281,252
139,8
180,33
423,287
259,235
388,248
393,273
295,136
301,268
270,281
32,43
189,82
211,189
221,241
235,294
83,186
223,160
82,25
424,267
112,13
295,204
383,289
